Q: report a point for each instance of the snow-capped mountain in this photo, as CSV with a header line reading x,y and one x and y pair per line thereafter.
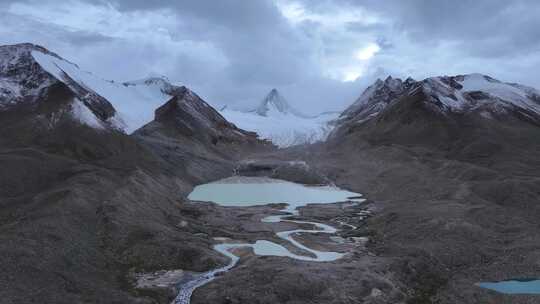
x,y
134,102
28,72
449,94
50,88
451,112
276,120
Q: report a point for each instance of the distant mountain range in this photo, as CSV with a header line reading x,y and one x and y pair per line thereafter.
x,y
128,106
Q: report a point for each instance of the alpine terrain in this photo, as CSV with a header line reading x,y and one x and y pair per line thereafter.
x,y
93,175
421,191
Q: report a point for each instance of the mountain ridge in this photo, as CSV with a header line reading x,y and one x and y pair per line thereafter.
x,y
456,94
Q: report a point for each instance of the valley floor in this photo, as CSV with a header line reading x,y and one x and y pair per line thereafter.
x,y
432,236
438,226
358,276
445,224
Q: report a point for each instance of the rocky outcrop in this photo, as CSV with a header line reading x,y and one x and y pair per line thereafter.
x,y
191,116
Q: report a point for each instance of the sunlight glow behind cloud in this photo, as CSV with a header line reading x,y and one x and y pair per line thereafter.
x,y
367,52
351,76
296,12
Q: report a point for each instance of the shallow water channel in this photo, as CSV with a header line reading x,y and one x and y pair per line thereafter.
x,y
250,191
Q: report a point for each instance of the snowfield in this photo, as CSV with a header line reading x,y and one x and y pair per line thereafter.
x,y
135,102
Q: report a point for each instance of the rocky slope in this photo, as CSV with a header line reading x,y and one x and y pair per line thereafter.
x,y
83,203
471,118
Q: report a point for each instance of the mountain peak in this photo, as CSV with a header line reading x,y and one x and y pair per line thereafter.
x,y
378,95
21,76
186,114
274,103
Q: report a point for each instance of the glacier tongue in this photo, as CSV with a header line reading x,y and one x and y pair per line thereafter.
x,y
283,130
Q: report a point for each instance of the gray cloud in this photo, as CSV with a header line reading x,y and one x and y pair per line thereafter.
x,y
14,27
481,26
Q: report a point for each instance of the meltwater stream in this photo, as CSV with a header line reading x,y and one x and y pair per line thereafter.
x,y
250,191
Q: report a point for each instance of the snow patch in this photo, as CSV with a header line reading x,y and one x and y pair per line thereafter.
x,y
510,93
84,115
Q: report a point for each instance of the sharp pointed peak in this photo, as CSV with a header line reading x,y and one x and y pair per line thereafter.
x,y
275,102
272,100
273,94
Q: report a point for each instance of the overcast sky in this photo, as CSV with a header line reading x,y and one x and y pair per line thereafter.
x,y
319,54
